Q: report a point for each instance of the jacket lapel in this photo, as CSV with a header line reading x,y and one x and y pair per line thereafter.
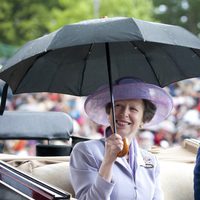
x,y
122,162
139,161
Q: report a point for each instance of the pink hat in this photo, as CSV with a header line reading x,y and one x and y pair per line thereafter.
x,y
124,89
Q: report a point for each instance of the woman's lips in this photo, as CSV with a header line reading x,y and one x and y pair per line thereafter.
x,y
122,123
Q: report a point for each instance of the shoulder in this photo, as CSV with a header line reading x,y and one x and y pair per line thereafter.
x,y
87,154
89,147
90,144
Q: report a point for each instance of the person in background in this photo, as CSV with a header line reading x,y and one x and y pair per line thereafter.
x,y
146,140
102,169
197,177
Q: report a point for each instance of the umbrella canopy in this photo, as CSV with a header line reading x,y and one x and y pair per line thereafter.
x,y
73,59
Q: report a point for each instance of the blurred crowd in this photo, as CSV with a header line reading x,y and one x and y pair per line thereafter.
x,y
184,121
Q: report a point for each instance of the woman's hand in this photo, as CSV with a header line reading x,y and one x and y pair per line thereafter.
x,y
113,145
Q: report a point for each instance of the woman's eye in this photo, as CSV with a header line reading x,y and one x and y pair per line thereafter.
x,y
134,109
117,106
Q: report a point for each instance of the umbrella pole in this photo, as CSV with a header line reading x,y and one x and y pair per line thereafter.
x,y
110,86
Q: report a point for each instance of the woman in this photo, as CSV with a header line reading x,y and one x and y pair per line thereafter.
x,y
96,171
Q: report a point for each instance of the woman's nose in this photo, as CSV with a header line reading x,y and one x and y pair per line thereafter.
x,y
125,111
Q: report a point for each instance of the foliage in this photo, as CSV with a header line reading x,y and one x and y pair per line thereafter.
x,y
73,11
24,20
180,12
141,9
70,12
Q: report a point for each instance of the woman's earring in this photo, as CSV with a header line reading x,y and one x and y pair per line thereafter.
x,y
141,125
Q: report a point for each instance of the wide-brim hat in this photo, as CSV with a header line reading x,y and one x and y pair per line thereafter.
x,y
127,89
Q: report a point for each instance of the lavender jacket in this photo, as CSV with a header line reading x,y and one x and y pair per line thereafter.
x,y
138,179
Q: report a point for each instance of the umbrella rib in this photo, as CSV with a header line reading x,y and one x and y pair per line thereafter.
x,y
28,69
195,52
84,68
147,59
177,65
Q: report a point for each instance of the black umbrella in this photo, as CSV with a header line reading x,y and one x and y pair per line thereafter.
x,y
76,58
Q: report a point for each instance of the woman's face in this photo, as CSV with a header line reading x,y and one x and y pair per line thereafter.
x,y
129,115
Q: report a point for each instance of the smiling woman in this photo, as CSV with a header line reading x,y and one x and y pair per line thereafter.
x,y
149,110
96,170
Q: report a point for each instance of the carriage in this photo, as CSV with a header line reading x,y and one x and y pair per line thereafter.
x,y
46,175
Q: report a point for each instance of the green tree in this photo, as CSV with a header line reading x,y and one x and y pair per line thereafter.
x,y
179,12
141,9
69,12
74,11
23,20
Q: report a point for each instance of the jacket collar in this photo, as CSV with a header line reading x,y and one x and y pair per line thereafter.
x,y
138,155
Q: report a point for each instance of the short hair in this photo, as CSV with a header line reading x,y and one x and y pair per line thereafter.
x,y
149,110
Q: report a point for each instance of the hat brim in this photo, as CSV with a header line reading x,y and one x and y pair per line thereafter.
x,y
95,104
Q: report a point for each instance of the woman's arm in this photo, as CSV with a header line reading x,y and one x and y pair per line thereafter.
x,y
89,179
113,145
85,178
